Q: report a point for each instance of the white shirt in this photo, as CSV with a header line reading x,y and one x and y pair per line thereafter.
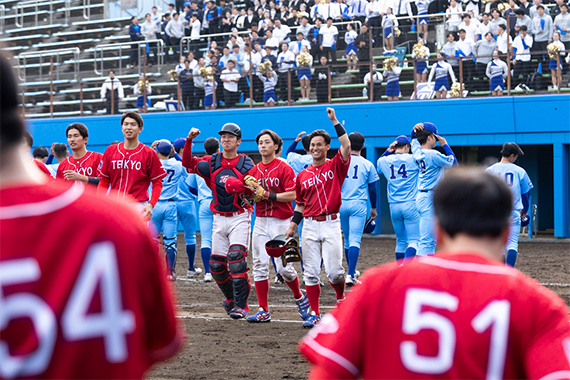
x,y
522,54
284,57
471,30
483,29
274,43
337,9
454,15
116,84
230,75
502,45
466,46
377,78
329,35
195,32
281,33
295,46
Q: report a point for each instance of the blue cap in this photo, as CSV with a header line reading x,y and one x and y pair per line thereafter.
x,y
430,127
369,226
164,147
403,139
179,143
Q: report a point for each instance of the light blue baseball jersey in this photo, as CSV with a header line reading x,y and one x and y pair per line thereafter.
x,y
204,191
299,162
184,194
515,177
431,164
401,171
174,173
360,174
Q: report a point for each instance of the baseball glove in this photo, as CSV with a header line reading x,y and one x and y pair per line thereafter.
x,y
252,184
292,252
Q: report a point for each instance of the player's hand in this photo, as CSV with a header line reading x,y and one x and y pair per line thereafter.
x,y
147,212
523,215
418,127
154,144
442,140
373,214
52,152
392,147
331,114
300,136
71,175
291,230
193,133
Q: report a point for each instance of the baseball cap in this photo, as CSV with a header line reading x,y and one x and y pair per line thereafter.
x,y
430,127
164,146
403,139
179,143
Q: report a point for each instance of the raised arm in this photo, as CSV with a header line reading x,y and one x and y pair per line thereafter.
x,y
188,161
341,133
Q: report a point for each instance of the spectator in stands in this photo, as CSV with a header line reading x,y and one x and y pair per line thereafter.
x,y
555,10
135,35
522,19
315,38
179,5
170,10
211,17
496,21
111,93
525,6
255,39
484,26
195,27
471,30
358,10
166,38
230,78
225,57
484,54
270,57
281,32
175,30
496,71
542,28
199,83
295,47
533,10
464,50
305,26
40,154
156,18
448,50
185,18
139,90
522,58
421,61
285,62
562,25
148,31
304,75
186,77
555,65
329,34
441,70
389,23
271,42
503,39
339,12
362,43
60,152
374,84
195,9
322,76
374,20
453,15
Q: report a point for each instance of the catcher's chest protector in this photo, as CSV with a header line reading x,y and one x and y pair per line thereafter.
x,y
223,201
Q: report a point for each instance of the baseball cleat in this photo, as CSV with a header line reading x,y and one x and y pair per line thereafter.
x,y
261,316
229,306
311,321
303,307
208,277
279,279
172,275
238,313
192,273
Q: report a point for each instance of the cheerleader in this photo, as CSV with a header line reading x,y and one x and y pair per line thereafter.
x,y
440,70
209,94
269,83
393,82
305,74
140,96
351,50
389,23
496,71
555,65
423,22
421,63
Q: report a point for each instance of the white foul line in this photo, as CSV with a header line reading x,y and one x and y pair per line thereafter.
x,y
228,318
556,285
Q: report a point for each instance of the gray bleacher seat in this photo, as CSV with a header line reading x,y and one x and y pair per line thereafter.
x,y
85,32
25,39
15,49
119,38
27,15
36,29
81,7
64,44
120,20
120,77
35,65
46,83
47,114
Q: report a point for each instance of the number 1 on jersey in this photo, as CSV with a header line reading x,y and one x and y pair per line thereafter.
x,y
401,171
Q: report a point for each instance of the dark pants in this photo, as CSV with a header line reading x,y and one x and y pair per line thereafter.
x,y
134,54
322,93
542,58
179,5
282,86
377,92
151,53
175,43
230,98
108,105
188,98
481,74
376,24
198,95
523,69
330,53
468,71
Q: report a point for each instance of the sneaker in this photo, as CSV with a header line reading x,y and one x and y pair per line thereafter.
x,y
350,280
303,307
172,275
228,305
238,313
279,279
261,316
208,277
192,273
311,321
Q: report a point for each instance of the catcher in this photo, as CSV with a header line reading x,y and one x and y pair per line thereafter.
x,y
272,184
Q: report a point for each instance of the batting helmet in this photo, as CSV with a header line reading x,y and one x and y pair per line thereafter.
x,y
369,226
277,246
231,128
525,221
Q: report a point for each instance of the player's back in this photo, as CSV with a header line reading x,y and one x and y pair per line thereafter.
x,y
401,172
91,286
431,164
515,177
360,174
299,162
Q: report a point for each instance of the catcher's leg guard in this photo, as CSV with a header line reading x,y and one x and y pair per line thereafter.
x,y
238,268
220,273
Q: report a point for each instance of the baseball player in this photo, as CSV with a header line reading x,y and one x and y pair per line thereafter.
x,y
401,172
318,202
164,216
83,292
431,164
273,215
186,211
299,162
459,315
130,167
230,236
358,187
518,181
82,165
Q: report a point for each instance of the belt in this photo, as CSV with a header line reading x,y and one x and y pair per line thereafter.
x,y
322,218
228,214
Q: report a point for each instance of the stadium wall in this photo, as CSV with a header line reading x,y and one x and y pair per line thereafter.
x,y
475,129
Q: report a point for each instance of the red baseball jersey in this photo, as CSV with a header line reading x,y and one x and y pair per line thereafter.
x,y
87,165
80,300
451,316
41,166
130,171
318,188
276,177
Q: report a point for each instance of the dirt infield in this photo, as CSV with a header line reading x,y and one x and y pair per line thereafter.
x,y
218,347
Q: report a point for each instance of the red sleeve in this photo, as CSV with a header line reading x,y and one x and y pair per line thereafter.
x,y
104,167
156,189
42,167
289,178
341,165
188,161
299,195
157,171
59,174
